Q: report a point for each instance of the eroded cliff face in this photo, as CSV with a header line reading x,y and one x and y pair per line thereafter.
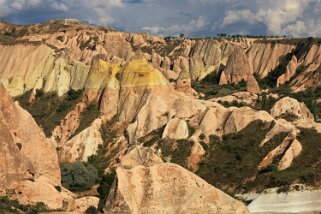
x,y
29,161
61,58
117,91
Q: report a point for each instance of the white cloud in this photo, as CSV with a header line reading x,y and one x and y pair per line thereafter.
x,y
168,17
280,17
193,26
59,6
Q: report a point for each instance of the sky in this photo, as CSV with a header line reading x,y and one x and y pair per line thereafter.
x,y
195,18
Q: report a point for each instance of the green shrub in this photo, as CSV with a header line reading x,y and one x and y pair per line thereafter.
x,y
9,206
105,184
230,162
178,150
78,176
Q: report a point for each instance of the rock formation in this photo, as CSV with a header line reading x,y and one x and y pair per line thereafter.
x,y
158,92
237,68
29,163
146,185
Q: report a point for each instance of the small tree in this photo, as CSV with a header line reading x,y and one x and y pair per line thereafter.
x,y
78,176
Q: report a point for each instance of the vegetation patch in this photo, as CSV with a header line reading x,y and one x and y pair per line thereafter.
x,y
211,90
78,176
152,137
231,163
308,97
9,206
90,113
101,161
177,150
106,182
48,109
265,102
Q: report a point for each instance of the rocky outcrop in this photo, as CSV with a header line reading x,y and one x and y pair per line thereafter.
x,y
252,85
291,107
83,145
264,57
289,72
80,205
280,126
213,122
156,187
237,68
29,167
176,129
293,151
68,125
286,148
241,117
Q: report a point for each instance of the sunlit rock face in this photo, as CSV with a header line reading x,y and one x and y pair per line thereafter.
x,y
143,178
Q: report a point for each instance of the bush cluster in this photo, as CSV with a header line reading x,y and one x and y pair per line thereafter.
x,y
78,176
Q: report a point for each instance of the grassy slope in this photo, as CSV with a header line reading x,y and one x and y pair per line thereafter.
x,y
49,109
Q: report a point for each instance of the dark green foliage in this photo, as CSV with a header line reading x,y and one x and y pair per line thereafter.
x,y
289,117
86,44
211,90
91,210
78,176
309,161
49,109
230,162
90,113
265,103
234,103
152,137
191,129
8,206
99,161
105,184
178,150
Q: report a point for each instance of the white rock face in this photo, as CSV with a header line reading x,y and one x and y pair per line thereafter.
x,y
241,117
83,145
176,129
291,202
291,106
